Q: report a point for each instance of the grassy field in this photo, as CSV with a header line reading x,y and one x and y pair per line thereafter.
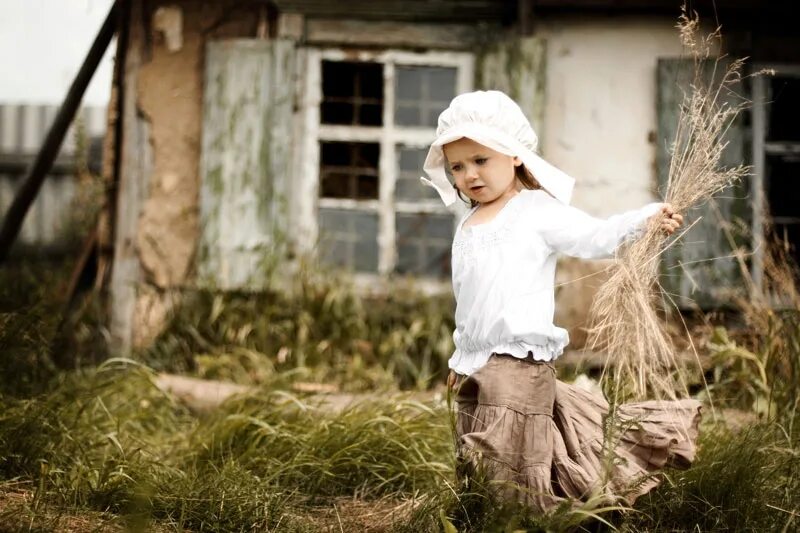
x,y
99,447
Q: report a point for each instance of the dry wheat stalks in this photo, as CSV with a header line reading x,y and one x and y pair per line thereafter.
x,y
627,315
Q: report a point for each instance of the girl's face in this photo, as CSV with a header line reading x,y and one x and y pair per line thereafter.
x,y
481,173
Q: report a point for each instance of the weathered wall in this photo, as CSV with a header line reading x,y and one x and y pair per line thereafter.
x,y
169,38
601,105
600,124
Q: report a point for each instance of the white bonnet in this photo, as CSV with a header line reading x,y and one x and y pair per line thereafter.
x,y
494,120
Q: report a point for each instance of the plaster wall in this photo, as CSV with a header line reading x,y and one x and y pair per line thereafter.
x,y
169,99
600,117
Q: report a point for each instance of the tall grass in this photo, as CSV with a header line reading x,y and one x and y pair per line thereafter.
x,y
758,368
86,440
322,328
374,448
111,441
107,440
745,481
28,320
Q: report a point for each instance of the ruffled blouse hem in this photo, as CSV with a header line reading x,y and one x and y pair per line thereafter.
x,y
466,362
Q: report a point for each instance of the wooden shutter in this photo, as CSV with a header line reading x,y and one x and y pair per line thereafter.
x,y
516,67
699,269
247,117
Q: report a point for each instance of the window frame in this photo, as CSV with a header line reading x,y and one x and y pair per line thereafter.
x,y
388,137
762,148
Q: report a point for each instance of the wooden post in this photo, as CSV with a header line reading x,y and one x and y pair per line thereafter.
x,y
52,143
524,16
112,163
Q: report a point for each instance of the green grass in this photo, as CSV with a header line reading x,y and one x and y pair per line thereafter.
x,y
320,328
743,481
109,441
379,447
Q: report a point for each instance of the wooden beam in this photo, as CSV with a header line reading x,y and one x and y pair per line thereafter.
x,y
17,164
359,33
524,17
52,143
133,168
112,157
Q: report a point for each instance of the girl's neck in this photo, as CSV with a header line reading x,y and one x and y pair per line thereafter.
x,y
486,212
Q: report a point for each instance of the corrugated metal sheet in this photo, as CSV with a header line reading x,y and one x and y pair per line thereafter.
x,y
22,130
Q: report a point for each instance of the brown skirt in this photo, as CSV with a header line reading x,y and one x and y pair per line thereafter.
x,y
540,440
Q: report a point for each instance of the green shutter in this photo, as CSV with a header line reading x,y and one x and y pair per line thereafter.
x,y
247,117
698,270
516,66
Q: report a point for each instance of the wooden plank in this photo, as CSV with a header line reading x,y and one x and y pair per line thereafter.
x,y
404,10
305,185
247,123
291,26
17,163
390,34
699,270
136,166
517,67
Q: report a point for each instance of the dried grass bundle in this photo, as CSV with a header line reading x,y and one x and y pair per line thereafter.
x,y
627,315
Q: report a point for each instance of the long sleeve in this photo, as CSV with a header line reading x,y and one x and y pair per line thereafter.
x,y
573,232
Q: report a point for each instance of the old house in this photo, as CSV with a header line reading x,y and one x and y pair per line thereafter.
x,y
246,134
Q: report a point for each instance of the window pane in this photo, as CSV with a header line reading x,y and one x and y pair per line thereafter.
x,y
784,108
407,115
407,259
349,170
409,169
409,83
442,84
788,236
422,93
349,239
783,185
352,93
423,244
783,190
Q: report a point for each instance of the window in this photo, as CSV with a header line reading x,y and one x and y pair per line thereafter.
x,y
776,156
352,93
376,114
422,93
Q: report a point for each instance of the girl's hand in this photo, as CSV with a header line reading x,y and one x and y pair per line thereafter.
x,y
451,379
670,220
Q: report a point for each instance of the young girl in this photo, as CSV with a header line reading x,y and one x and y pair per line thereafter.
x,y
542,439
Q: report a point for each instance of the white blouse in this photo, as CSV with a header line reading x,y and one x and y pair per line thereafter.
x,y
504,274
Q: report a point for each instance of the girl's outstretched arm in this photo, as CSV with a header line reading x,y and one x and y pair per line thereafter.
x,y
573,232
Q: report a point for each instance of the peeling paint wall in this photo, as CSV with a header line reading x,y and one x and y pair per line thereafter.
x,y
245,160
601,105
169,100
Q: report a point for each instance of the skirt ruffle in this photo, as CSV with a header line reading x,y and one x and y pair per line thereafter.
x,y
540,440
